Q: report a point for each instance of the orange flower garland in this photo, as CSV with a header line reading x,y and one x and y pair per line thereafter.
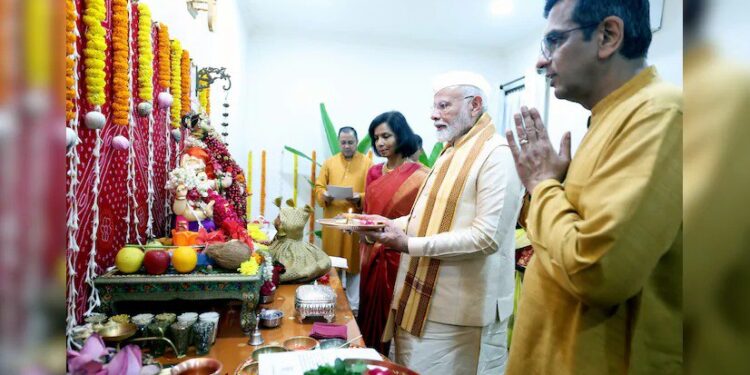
x,y
120,63
145,54
164,56
94,52
70,49
176,83
185,82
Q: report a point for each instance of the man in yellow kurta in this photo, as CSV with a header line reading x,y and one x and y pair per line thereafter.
x,y
347,168
603,293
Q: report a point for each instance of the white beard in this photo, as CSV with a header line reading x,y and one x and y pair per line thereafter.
x,y
459,127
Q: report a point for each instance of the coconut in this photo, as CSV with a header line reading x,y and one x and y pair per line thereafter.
x,y
229,255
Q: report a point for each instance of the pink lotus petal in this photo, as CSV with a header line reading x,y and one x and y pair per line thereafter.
x,y
94,346
126,362
88,360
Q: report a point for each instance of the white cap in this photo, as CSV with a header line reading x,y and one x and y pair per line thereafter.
x,y
455,78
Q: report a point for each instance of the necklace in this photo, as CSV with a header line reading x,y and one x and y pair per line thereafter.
x,y
387,170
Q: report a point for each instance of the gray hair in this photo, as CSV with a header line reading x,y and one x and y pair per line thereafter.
x,y
469,90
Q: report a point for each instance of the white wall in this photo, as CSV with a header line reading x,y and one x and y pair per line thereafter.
x,y
224,47
287,77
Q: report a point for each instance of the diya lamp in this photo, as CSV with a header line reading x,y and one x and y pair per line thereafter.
x,y
349,216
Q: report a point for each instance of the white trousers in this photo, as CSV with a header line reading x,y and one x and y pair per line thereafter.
x,y
350,282
449,349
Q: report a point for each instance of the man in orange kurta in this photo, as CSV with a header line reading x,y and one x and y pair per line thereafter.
x,y
347,168
603,293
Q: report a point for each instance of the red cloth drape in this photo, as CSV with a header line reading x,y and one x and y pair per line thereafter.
x,y
391,195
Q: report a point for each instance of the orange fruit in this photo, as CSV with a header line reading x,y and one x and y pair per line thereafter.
x,y
184,259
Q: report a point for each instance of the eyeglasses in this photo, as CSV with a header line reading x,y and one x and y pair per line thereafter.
x,y
554,39
445,105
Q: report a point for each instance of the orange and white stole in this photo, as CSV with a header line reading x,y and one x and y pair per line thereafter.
x,y
451,172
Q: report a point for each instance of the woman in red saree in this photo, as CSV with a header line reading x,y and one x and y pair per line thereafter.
x,y
391,189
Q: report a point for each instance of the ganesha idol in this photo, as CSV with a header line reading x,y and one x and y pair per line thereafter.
x,y
193,189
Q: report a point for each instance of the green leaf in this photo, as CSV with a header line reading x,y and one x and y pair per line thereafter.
x,y
309,181
333,139
318,233
436,149
364,144
300,154
423,159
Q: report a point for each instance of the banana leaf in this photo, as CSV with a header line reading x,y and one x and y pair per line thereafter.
x,y
423,159
300,154
333,139
364,144
429,161
436,150
309,181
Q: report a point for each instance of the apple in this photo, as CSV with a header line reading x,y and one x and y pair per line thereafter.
x,y
156,262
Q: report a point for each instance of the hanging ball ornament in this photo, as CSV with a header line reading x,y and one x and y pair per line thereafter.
x,y
95,119
165,99
145,109
176,135
71,138
120,143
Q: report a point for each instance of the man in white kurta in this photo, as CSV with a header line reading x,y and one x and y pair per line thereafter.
x,y
454,288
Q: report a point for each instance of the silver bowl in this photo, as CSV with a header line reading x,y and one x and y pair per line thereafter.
x,y
202,366
264,300
271,318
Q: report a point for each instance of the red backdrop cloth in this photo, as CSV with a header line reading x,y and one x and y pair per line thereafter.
x,y
113,199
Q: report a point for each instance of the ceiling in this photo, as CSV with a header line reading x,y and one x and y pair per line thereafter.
x,y
433,23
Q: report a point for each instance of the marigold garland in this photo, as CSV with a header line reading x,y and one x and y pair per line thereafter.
x,y
185,82
176,83
71,93
164,56
120,63
94,53
145,54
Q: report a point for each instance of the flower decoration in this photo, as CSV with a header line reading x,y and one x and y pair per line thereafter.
x,y
185,70
249,267
91,359
191,141
120,63
254,231
145,54
236,193
164,56
189,178
71,36
176,83
94,53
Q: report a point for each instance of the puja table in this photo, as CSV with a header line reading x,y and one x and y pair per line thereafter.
x,y
232,349
115,288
